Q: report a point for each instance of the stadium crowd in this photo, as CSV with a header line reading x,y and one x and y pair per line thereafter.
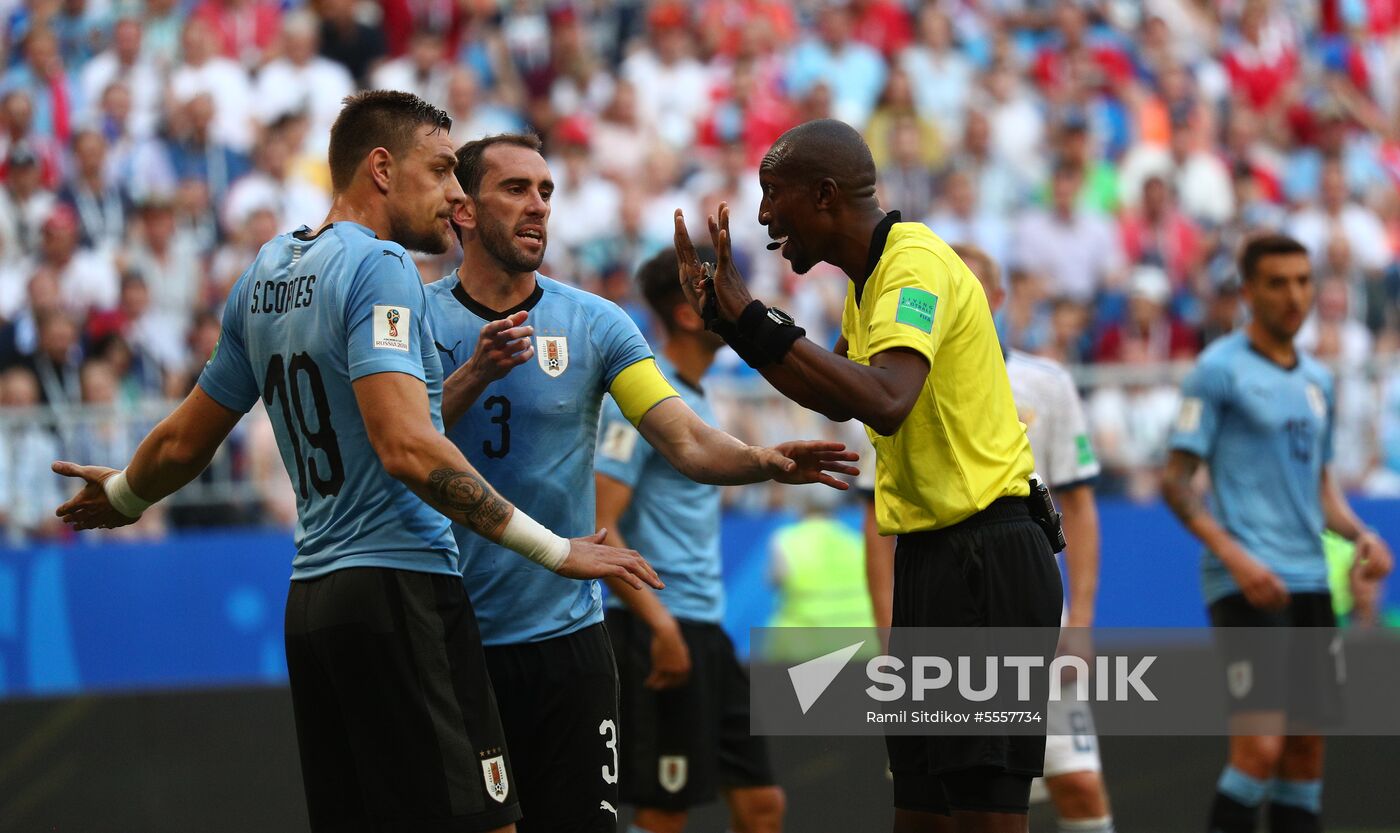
x,y
1110,155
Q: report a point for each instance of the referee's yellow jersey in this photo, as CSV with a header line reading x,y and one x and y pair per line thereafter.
x,y
962,446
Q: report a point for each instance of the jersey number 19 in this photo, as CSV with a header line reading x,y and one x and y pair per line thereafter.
x,y
283,382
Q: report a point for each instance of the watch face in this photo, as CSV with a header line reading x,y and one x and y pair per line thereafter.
x,y
779,316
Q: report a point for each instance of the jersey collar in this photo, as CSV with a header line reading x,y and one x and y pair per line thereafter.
x,y
878,240
482,311
306,235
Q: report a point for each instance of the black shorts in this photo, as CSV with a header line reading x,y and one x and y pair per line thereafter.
x,y
1300,675
682,745
558,700
396,719
994,569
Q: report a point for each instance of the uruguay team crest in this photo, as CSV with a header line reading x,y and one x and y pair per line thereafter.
x,y
672,773
553,354
1239,676
497,785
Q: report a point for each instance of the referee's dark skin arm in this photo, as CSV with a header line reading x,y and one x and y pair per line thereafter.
x,y
881,395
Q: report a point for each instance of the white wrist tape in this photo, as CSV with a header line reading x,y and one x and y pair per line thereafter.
x,y
526,536
121,497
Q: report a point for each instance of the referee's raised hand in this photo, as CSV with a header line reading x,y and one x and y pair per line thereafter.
x,y
729,287
90,508
810,461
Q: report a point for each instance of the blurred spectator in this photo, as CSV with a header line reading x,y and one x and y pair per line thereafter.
x,y
724,24
78,30
1331,334
24,205
999,189
1261,58
348,40
945,74
1157,234
1149,333
423,70
581,84
905,179
39,296
1223,312
168,259
1334,139
86,276
271,184
124,62
161,29
43,78
203,71
956,218
57,357
883,24
853,71
1337,215
1198,176
1078,252
585,205
243,30
19,135
196,149
299,80
1016,123
153,341
139,164
93,198
897,110
473,113
1074,146
29,490
620,138
670,84
236,255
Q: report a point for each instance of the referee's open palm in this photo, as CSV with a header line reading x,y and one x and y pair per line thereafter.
x,y
589,557
810,461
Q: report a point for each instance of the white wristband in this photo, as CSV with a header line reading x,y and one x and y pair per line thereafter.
x,y
121,497
526,536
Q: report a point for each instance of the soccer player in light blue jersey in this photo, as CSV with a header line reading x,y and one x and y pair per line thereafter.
x,y
1258,412
685,695
396,720
532,433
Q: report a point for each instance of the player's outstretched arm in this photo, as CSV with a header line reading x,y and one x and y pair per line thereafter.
x,y
394,407
502,346
670,657
1261,587
706,454
173,454
880,395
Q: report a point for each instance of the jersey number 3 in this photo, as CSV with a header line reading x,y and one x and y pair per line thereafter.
x,y
283,382
500,404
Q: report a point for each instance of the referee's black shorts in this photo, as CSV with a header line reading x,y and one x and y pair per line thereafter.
x,y
994,569
396,718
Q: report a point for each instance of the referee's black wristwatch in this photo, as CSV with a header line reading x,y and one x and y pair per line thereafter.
x,y
763,335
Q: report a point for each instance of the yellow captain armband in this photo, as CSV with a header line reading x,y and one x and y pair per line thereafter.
x,y
638,389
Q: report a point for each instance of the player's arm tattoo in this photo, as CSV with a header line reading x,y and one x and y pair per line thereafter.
x,y
1177,489
470,498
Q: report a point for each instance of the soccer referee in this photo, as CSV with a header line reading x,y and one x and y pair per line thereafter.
x,y
919,363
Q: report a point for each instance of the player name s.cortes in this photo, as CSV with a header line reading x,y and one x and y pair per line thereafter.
x,y
282,296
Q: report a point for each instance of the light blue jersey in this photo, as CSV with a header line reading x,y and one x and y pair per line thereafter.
x,y
1265,432
310,316
671,520
531,435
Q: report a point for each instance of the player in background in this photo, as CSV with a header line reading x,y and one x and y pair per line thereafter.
x,y
396,722
533,432
1049,405
685,696
1258,413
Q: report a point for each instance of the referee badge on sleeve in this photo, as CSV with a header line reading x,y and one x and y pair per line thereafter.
x,y
497,784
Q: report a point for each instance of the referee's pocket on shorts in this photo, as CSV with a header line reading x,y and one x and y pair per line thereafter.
x,y
972,567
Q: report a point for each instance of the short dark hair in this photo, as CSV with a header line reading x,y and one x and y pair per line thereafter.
x,y
373,119
471,167
1266,245
660,281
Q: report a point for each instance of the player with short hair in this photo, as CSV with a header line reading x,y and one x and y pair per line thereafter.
x,y
533,432
1258,412
1048,403
396,721
685,695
